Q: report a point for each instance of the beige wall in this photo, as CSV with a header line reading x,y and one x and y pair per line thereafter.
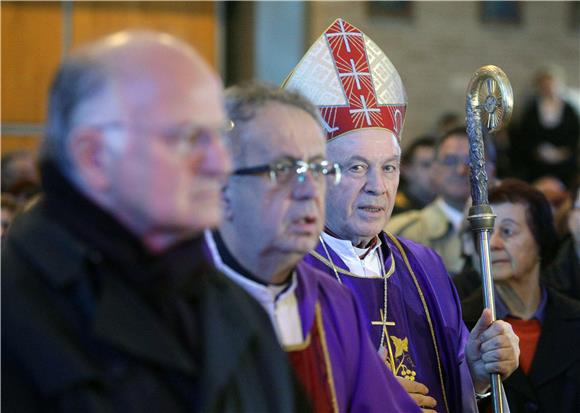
x,y
438,50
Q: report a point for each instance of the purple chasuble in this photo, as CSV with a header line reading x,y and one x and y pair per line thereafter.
x,y
428,338
360,381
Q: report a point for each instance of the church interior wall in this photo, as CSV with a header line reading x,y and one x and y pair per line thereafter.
x,y
436,46
441,44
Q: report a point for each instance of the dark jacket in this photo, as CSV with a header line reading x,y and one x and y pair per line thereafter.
x,y
406,201
532,133
467,281
79,336
563,274
553,383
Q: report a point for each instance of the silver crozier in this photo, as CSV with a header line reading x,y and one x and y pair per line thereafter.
x,y
488,109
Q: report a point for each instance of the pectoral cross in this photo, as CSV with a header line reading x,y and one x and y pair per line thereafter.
x,y
383,322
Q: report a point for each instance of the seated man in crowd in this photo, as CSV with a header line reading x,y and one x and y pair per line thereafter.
x,y
9,208
416,189
107,302
20,175
438,224
274,212
411,307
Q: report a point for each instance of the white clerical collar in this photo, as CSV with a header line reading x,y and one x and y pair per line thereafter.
x,y
279,301
369,266
454,216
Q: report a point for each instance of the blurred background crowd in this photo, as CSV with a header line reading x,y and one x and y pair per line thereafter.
x,y
436,46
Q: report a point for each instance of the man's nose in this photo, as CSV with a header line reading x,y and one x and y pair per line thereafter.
x,y
306,186
375,183
463,166
216,159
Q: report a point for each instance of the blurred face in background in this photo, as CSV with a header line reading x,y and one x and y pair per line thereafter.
x,y
418,172
574,218
7,215
548,85
451,170
20,170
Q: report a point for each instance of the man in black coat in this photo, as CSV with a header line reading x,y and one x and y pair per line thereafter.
x,y
107,302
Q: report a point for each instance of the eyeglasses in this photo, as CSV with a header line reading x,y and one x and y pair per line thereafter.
x,y
284,171
453,161
180,136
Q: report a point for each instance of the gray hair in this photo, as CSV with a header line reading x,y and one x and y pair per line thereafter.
x,y
78,79
243,102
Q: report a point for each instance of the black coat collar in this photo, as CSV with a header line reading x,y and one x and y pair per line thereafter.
x,y
117,314
124,320
79,249
560,338
558,345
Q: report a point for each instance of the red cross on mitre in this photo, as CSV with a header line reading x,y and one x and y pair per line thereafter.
x,y
339,120
347,46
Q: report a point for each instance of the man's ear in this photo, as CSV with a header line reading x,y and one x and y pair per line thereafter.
x,y
227,203
89,155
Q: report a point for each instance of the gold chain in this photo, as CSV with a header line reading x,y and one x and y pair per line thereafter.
x,y
421,296
426,309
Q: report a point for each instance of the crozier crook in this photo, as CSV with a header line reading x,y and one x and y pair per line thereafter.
x,y
488,109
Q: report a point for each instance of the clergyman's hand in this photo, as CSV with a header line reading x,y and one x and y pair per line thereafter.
x,y
491,348
420,394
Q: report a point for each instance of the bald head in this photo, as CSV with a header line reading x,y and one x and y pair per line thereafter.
x,y
130,66
135,123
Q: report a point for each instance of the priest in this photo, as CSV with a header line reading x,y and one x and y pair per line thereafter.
x,y
274,212
411,307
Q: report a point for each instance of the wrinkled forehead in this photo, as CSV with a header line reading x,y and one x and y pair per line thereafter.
x,y
280,130
371,144
514,211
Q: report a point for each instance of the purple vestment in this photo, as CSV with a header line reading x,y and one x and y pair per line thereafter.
x,y
361,381
427,341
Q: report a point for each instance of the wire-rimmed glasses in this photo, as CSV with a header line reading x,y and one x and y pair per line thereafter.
x,y
283,171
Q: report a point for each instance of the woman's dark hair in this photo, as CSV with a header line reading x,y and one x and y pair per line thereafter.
x,y
538,213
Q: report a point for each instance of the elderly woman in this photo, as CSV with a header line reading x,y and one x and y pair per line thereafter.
x,y
547,323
